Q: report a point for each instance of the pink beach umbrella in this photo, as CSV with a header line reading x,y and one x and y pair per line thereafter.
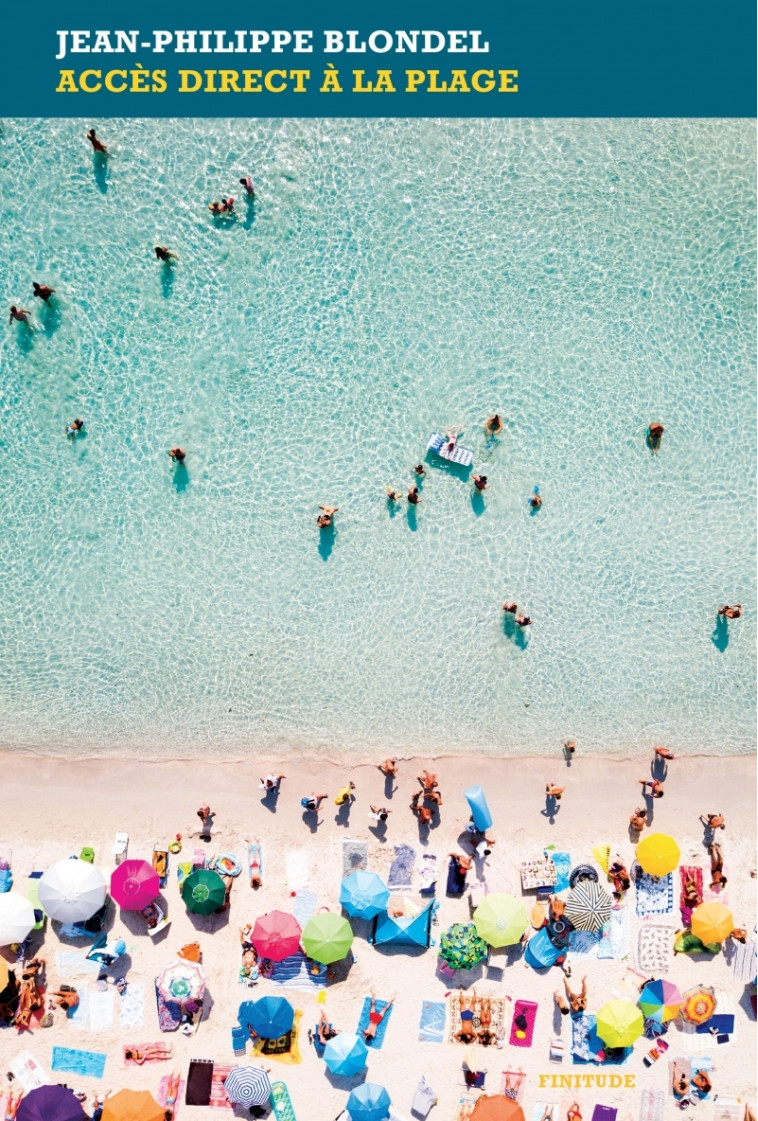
x,y
134,884
276,935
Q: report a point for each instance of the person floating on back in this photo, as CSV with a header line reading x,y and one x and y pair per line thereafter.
x,y
324,520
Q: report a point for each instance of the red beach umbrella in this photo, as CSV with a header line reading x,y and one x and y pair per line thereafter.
x,y
276,935
134,884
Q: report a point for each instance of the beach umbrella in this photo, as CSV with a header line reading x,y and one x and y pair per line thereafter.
x,y
461,947
698,1004
248,1085
346,1053
276,935
497,1107
588,906
658,854
134,884
660,1001
327,937
72,890
133,1105
203,891
712,922
182,980
364,894
368,1102
619,1023
269,1017
16,918
50,1103
500,919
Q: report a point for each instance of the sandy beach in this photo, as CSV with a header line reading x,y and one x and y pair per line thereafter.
x,y
54,806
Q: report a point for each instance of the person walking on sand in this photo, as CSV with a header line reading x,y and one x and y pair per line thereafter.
x,y
577,1001
379,813
638,820
324,520
731,612
663,753
388,768
553,791
271,783
206,815
428,780
312,802
375,1018
424,814
713,821
656,787
97,145
345,794
569,747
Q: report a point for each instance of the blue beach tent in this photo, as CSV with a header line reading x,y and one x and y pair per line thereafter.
x,y
403,931
541,952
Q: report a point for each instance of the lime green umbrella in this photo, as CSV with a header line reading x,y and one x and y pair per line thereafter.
x,y
203,891
327,937
619,1023
500,920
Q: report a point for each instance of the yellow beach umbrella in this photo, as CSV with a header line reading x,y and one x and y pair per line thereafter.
x,y
619,1023
658,854
712,922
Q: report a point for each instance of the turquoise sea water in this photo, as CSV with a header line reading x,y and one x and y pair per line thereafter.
x,y
393,277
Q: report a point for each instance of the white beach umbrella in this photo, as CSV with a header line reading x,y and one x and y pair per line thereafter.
x,y
72,890
16,918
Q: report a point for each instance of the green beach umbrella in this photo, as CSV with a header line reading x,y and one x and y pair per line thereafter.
x,y
461,947
327,937
619,1023
500,920
203,892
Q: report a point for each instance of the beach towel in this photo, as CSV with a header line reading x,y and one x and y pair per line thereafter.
x,y
689,872
199,1079
183,869
286,1048
584,943
683,1067
428,874
376,1043
695,1041
401,869
304,905
514,1080
582,1037
603,1113
614,936
163,1092
74,962
28,1071
354,856
296,972
520,1036
296,868
74,930
727,1109
87,1063
132,1010
629,986
219,1096
141,1047
562,862
654,896
431,1028
538,1110
652,1105
100,1009
498,1026
654,947
169,1013
456,879
743,962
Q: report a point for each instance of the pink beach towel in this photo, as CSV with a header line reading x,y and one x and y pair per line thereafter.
x,y
163,1090
522,1037
689,872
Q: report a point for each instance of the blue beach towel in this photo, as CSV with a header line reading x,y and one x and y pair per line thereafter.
x,y
89,1063
431,1028
304,905
381,1030
614,940
562,862
401,869
653,896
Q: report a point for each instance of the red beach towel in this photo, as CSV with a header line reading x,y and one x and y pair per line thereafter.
x,y
522,1037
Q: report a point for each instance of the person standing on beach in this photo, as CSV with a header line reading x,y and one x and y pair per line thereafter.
x,y
271,782
206,815
553,791
638,820
656,787
713,821
312,802
663,753
569,747
423,814
379,813
389,768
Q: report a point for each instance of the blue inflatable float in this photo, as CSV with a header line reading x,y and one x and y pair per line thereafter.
x,y
480,811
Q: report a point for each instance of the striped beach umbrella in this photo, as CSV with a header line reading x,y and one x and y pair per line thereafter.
x,y
698,1004
248,1085
369,1102
712,922
619,1023
346,1054
182,980
72,890
588,906
658,854
660,1001
500,919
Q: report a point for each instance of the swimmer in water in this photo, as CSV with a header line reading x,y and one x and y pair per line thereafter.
x,y
20,314
413,496
97,145
511,607
419,470
493,425
42,291
393,495
177,454
731,612
164,254
74,427
247,183
480,482
654,436
536,500
324,520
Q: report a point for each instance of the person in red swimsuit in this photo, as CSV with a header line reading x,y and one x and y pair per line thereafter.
x,y
375,1018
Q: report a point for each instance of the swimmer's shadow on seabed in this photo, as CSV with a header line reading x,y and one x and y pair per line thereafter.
x,y
513,631
25,337
50,317
720,633
180,478
478,505
326,538
167,279
100,171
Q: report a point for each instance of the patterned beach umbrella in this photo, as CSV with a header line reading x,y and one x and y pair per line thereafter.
x,y
619,1023
660,1001
712,922
182,980
346,1053
133,1105
364,894
276,935
461,947
16,918
72,890
269,1017
203,891
658,854
134,884
588,906
369,1102
248,1085
500,920
698,1004
496,1107
50,1103
327,937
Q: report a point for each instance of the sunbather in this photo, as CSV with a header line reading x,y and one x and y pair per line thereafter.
x,y
324,1030
375,1018
548,1114
739,934
172,1093
467,1033
621,879
578,1001
573,1113
558,997
485,1011
29,998
11,1109
692,896
717,866
702,1082
465,863
152,914
680,1082
148,1053
511,1085
67,999
713,821
557,908
486,1037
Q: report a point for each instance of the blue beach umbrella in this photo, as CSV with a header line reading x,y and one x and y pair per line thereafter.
x,y
346,1054
369,1102
269,1017
364,894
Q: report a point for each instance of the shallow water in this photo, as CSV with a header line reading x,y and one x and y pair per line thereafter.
x,y
393,277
